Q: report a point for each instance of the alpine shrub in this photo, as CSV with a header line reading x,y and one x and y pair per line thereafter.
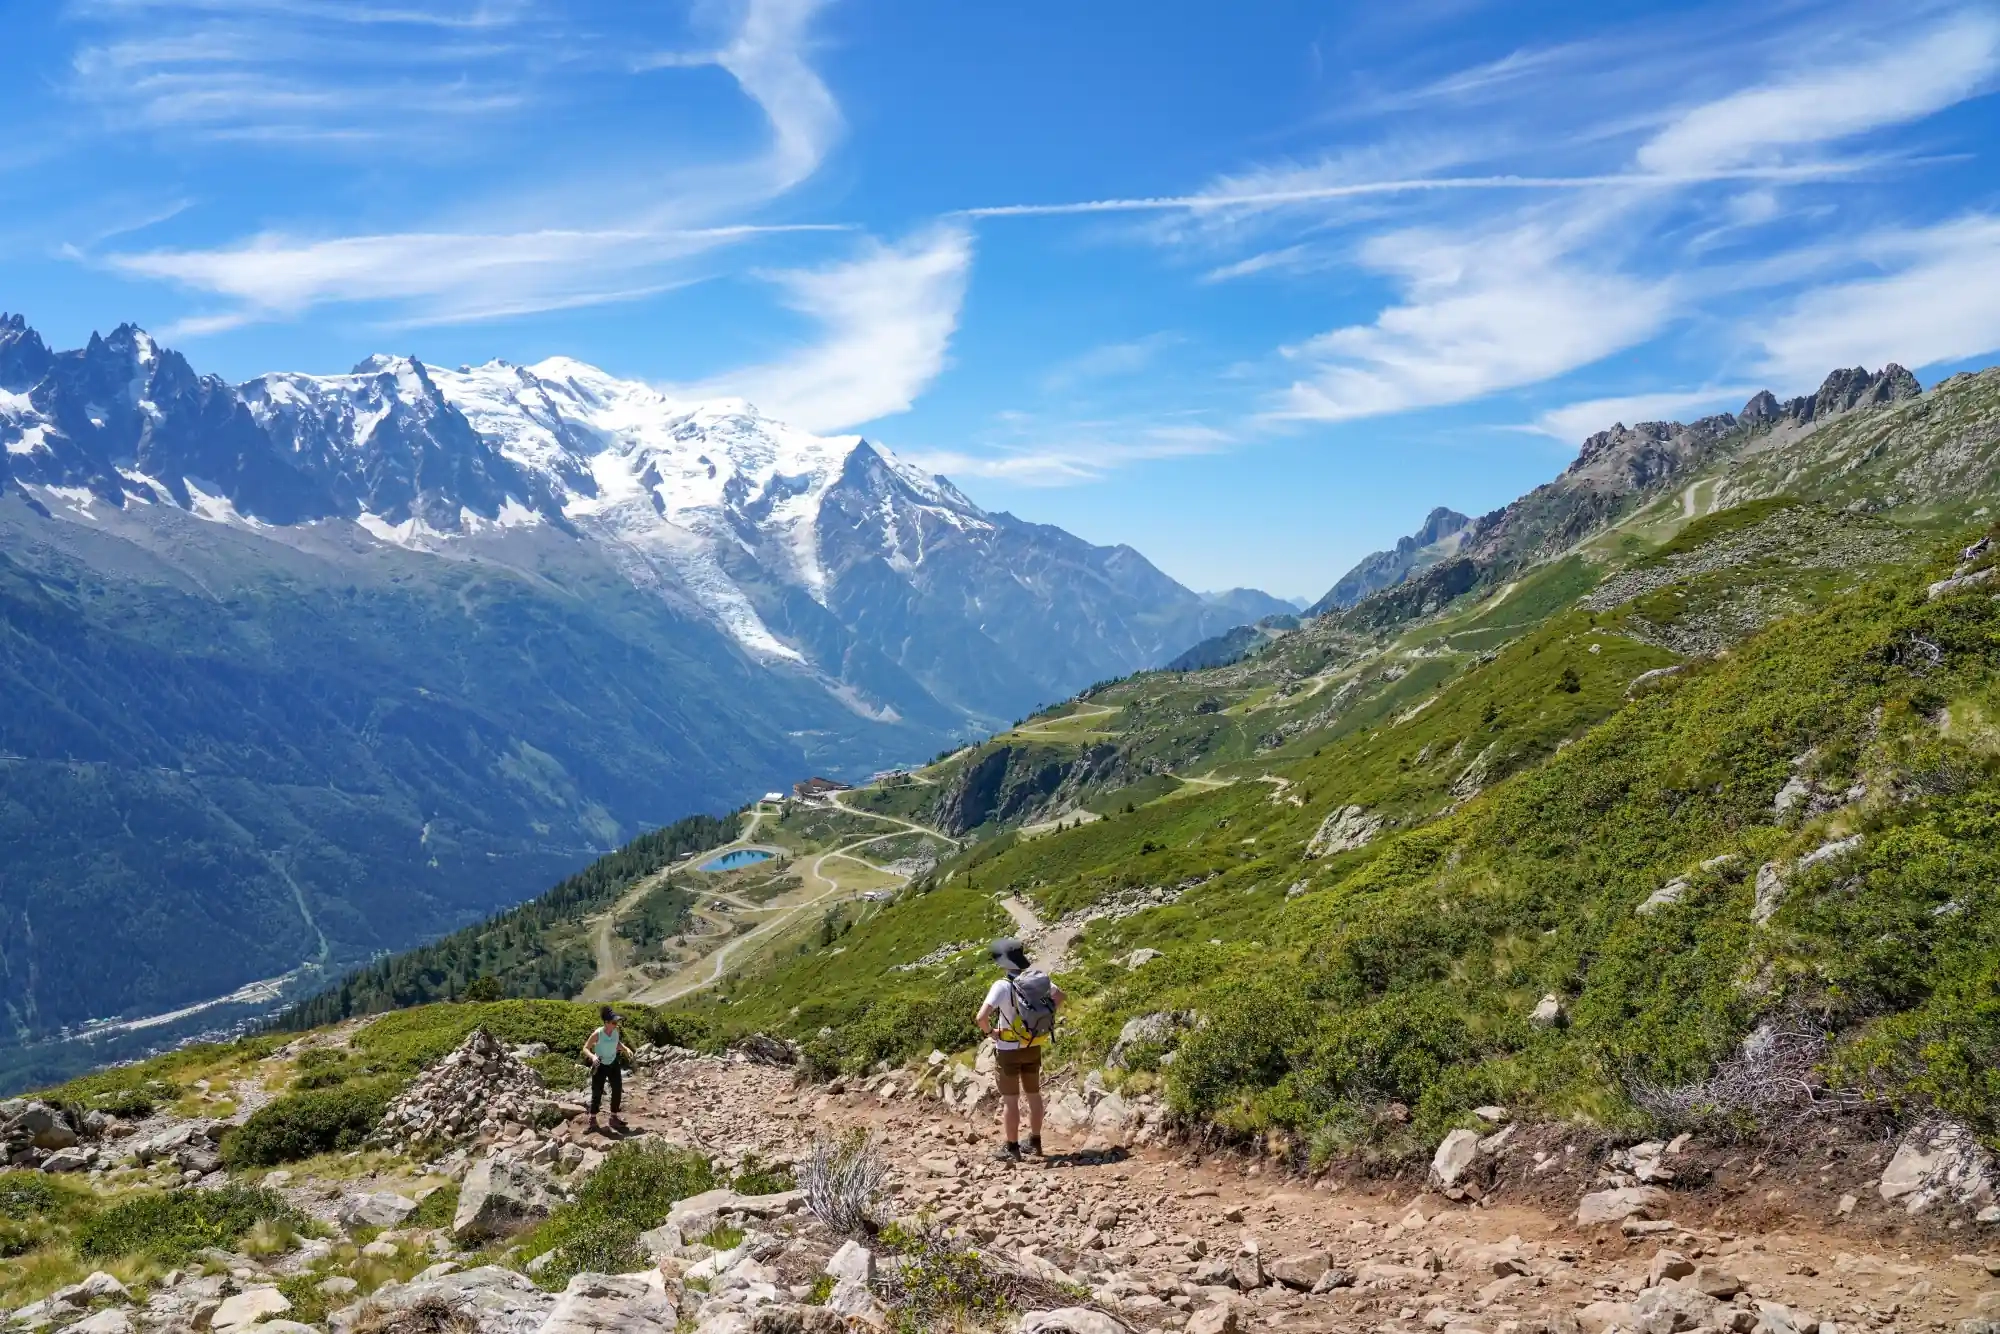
x,y
300,1125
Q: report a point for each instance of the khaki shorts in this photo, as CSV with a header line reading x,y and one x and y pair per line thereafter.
x,y
1017,1070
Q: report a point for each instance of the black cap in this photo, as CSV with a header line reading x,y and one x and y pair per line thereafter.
x,y
1010,952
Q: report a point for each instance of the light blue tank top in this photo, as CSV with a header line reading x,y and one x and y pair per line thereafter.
x,y
607,1047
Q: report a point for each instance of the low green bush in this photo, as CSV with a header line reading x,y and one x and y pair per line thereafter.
x,y
173,1226
435,1210
629,1194
300,1125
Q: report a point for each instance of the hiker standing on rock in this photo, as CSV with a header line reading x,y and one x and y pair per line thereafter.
x,y
1019,1014
607,1053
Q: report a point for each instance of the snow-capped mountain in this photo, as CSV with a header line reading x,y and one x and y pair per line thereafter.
x,y
826,555
311,667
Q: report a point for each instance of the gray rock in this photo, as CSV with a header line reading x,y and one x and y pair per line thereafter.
x,y
1347,828
1075,1320
248,1307
602,1303
1770,893
498,1199
42,1126
383,1208
110,1320
1141,957
853,1262
1548,1011
698,1214
1615,1206
99,1287
1454,1157
660,1242
1157,1029
495,1300
1665,896
1302,1271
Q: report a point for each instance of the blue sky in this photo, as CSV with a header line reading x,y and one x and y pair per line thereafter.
x,y
1250,287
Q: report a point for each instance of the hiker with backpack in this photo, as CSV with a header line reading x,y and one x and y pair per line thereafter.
x,y
608,1055
1019,1014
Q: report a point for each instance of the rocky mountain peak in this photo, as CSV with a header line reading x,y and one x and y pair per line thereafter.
x,y
24,357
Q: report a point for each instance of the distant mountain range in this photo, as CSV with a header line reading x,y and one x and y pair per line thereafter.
x,y
309,667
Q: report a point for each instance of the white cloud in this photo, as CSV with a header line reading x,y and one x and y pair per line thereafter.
x,y
1076,454
1574,422
1823,105
1109,361
888,318
1480,313
225,79
454,275
1938,302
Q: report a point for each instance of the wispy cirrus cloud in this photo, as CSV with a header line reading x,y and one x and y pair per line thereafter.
x,y
1930,295
1074,453
289,68
886,316
1824,103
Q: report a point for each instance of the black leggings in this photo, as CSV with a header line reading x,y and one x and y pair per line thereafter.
x,y
600,1075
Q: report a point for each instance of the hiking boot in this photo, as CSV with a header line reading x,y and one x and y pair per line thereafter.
x,y
1010,1152
592,1128
1033,1148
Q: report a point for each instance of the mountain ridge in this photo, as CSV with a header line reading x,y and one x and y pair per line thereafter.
x,y
378,653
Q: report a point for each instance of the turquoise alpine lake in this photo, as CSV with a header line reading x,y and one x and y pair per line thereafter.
x,y
730,861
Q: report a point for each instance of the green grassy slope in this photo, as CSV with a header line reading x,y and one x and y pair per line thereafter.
x,y
1405,970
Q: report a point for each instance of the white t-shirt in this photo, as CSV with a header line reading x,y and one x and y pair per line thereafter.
x,y
1006,1015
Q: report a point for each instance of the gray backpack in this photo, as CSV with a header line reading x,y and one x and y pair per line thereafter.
x,y
1034,1002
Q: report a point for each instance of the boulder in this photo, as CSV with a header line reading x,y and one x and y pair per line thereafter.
x,y
1217,1319
498,1199
698,1215
42,1126
853,1263
1141,957
1346,828
1156,1029
1070,1113
1548,1011
383,1208
1302,1271
99,1287
489,1299
795,1319
1715,1281
248,1307
1073,1320
764,1049
857,1301
110,1320
1246,1272
1672,1308
1454,1157
603,1303
1615,1206
1603,1317
1667,1265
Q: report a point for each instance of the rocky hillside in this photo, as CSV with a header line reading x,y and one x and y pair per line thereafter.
x,y
432,1171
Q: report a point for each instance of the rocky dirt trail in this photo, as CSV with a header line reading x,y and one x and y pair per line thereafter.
x,y
1122,1228
1161,1234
